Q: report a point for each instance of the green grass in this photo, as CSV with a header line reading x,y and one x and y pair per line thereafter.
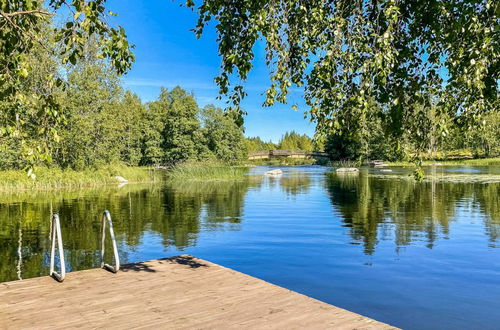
x,y
343,163
206,171
53,178
452,162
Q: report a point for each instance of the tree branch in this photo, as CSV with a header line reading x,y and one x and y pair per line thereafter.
x,y
26,12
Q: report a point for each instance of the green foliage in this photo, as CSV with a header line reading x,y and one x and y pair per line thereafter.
x,y
418,174
224,138
177,130
131,115
462,162
375,144
344,163
92,135
206,171
153,126
182,138
256,144
28,120
394,61
483,138
382,79
479,140
99,123
294,141
289,141
50,178
25,28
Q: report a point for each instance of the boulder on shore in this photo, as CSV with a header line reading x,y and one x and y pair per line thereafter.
x,y
274,172
121,179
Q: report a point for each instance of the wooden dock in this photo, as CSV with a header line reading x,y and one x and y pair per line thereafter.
x,y
174,293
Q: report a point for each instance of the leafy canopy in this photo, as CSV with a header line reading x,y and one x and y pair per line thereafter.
x,y
23,29
364,59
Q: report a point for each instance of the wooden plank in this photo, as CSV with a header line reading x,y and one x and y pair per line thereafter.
x,y
174,293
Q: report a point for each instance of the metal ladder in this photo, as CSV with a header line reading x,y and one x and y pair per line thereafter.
x,y
106,216
56,236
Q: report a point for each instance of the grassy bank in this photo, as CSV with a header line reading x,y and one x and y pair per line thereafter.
x,y
206,171
54,178
452,162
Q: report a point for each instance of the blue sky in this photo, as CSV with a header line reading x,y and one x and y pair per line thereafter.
x,y
168,54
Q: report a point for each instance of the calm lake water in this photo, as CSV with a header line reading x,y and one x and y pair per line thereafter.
x,y
415,255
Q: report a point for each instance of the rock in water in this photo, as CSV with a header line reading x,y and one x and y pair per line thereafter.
x,y
347,170
274,172
121,179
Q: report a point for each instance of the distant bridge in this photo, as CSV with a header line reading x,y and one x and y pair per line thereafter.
x,y
266,154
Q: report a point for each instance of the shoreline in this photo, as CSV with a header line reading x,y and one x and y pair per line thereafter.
x,y
494,161
54,179
48,179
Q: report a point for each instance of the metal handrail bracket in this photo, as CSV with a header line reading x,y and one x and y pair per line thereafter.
x,y
56,235
106,217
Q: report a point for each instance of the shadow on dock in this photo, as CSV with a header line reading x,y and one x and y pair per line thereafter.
x,y
186,260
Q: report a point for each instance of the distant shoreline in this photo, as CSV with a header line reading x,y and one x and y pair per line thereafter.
x,y
451,162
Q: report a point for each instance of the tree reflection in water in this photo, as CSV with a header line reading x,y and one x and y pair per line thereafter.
x,y
373,208
177,212
404,210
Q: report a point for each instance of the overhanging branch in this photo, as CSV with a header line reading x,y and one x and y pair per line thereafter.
x,y
26,12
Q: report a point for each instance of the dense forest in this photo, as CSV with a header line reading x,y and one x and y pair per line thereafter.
x,y
478,141
103,123
482,140
289,141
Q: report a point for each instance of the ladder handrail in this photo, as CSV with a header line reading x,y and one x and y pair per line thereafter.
x,y
56,234
107,216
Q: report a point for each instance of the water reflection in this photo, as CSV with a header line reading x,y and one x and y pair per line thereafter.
x,y
178,213
376,209
296,183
